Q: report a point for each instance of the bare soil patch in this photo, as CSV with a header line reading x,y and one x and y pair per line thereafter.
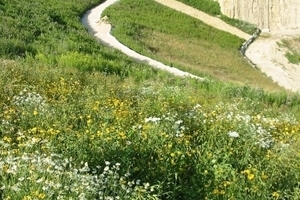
x,y
270,58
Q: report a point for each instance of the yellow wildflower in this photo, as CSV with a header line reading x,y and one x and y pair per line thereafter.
x,y
35,112
250,176
275,194
248,173
7,139
226,183
263,176
216,191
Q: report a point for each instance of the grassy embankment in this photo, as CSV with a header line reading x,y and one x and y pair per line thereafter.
x,y
69,104
213,8
293,50
184,42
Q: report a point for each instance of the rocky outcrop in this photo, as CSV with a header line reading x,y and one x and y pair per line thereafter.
x,y
268,15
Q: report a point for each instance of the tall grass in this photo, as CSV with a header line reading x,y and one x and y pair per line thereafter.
x,y
163,137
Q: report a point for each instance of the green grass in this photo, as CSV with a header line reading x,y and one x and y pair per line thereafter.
x,y
170,132
69,130
183,42
213,8
209,6
52,33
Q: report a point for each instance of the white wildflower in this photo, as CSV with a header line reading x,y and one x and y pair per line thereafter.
x,y
197,106
15,187
152,119
146,185
233,134
138,182
106,168
178,122
40,180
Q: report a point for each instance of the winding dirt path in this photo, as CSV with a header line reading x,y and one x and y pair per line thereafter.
x,y
101,30
264,52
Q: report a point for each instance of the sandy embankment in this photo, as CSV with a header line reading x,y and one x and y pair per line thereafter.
x,y
271,60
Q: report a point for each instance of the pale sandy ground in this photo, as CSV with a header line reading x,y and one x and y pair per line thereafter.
x,y
264,52
271,60
101,30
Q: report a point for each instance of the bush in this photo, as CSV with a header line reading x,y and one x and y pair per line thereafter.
x,y
15,48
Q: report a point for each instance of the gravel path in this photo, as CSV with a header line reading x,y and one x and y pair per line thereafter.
x,y
101,30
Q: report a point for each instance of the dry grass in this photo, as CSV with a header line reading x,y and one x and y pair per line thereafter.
x,y
206,59
4,62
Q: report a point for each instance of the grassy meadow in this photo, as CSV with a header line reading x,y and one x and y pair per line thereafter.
x,y
79,120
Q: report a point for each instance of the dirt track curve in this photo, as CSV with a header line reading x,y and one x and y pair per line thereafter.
x,y
263,53
101,30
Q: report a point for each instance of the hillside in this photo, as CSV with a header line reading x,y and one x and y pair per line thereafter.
x,y
200,49
81,120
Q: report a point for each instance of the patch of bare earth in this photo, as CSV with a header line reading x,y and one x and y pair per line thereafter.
x,y
270,59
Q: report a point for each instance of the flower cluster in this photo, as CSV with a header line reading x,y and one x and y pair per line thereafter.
x,y
35,175
29,99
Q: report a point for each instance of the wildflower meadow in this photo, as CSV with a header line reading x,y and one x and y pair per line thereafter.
x,y
75,125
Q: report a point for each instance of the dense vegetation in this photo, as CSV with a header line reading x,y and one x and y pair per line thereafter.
x,y
71,130
51,32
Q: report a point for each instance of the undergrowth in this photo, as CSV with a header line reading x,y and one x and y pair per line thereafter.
x,y
72,129
86,135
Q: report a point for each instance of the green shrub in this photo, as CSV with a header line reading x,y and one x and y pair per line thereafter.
x,y
293,57
15,48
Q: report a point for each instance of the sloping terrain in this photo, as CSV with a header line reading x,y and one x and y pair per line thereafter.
x,y
82,120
